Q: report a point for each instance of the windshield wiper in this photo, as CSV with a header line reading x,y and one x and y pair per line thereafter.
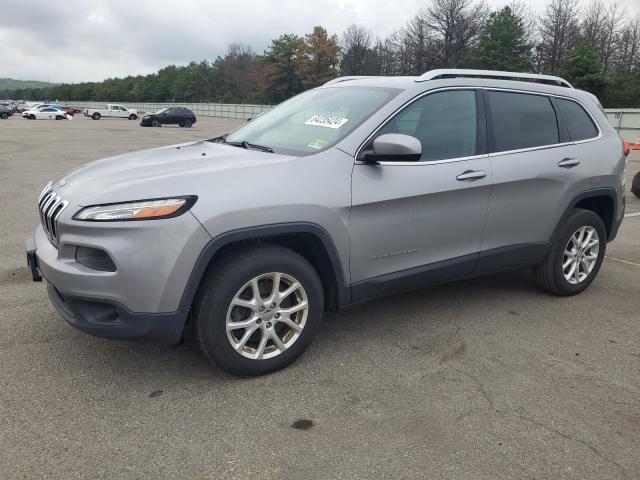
x,y
242,144
247,145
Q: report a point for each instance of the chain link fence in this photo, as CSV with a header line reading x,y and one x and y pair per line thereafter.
x,y
626,121
223,110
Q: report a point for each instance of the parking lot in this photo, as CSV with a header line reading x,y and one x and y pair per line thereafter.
x,y
482,379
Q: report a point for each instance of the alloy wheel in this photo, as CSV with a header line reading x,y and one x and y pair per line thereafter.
x,y
580,255
267,315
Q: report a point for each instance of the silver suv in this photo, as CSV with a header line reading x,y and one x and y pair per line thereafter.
x,y
359,188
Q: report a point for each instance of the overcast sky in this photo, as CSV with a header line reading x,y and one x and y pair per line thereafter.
x,y
89,40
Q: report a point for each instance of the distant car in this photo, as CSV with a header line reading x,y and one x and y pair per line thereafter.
x,y
112,110
169,116
5,112
48,113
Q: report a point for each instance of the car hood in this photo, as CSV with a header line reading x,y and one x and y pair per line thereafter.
x,y
184,169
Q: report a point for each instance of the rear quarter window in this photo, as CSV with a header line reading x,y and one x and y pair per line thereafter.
x,y
521,120
577,120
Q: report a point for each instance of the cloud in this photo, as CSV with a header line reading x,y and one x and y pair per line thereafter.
x,y
81,40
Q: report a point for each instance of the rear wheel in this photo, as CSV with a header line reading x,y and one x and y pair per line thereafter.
x,y
576,255
258,310
181,124
4,116
59,117
188,123
96,116
133,117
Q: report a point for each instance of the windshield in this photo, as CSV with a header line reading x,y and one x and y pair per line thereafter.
x,y
162,110
314,120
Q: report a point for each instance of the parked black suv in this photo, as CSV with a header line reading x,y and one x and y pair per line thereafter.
x,y
169,116
5,112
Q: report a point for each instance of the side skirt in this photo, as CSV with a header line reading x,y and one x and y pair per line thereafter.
x,y
467,266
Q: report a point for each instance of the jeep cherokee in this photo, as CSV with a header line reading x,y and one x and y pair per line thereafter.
x,y
361,187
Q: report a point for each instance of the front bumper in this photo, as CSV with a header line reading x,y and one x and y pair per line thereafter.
x,y
111,320
107,319
142,297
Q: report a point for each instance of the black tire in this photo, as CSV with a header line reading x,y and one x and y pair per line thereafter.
x,y
4,116
133,117
549,273
188,123
32,117
59,117
181,124
635,185
156,123
220,286
96,116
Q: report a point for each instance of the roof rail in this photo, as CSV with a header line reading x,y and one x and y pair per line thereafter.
x,y
457,72
346,79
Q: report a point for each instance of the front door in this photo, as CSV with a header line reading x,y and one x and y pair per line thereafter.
x,y
419,222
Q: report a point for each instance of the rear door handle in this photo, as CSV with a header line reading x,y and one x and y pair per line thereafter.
x,y
471,175
568,162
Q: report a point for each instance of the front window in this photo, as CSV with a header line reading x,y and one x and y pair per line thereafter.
x,y
315,120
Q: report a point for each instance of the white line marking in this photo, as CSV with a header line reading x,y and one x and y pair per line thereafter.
x,y
623,261
634,214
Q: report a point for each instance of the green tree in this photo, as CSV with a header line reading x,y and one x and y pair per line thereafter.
x,y
281,67
503,44
583,69
317,58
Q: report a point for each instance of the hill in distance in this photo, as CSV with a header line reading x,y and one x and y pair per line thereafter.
x,y
11,84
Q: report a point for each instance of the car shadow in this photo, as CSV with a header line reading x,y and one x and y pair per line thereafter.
x,y
419,310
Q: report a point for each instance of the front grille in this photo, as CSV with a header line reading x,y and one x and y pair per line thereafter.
x,y
50,206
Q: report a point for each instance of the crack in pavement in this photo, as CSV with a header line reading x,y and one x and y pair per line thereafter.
x,y
577,440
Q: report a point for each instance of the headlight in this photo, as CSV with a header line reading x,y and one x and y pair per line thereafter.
x,y
137,210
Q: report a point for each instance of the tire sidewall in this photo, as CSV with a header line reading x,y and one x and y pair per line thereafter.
x,y
581,218
214,305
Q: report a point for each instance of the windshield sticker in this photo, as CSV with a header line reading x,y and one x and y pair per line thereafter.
x,y
326,121
318,144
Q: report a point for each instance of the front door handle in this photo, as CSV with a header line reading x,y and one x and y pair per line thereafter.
x,y
568,162
471,175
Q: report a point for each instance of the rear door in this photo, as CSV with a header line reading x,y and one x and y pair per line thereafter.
x,y
537,171
417,222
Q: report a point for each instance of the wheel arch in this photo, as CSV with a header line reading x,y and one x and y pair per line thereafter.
x,y
307,239
601,201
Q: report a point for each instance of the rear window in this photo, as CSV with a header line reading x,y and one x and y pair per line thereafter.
x,y
521,120
578,122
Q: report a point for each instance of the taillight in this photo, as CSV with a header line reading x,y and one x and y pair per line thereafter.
x,y
627,147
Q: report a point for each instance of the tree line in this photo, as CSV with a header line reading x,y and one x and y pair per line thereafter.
x,y
595,45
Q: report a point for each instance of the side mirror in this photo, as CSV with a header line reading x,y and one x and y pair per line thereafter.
x,y
394,147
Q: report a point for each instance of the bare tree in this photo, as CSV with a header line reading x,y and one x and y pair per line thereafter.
x,y
559,29
454,26
627,52
601,25
357,56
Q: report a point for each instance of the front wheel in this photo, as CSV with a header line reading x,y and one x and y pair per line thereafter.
x,y
258,310
4,116
575,256
32,117
155,123
96,116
